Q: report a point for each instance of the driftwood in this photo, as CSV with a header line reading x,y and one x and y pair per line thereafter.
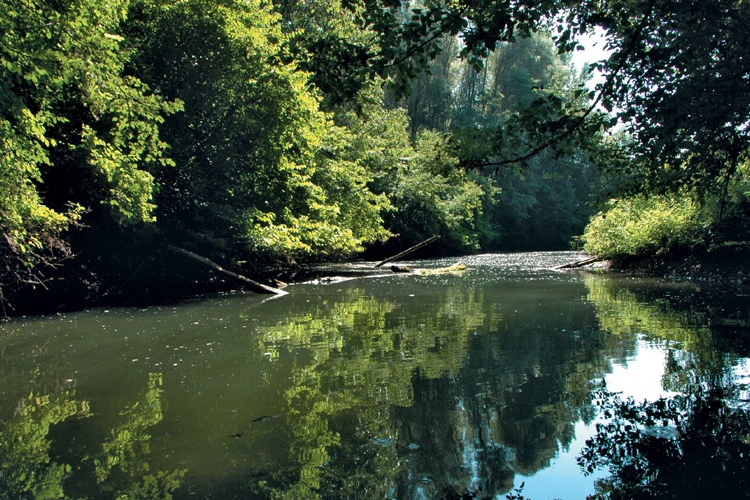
x,y
409,250
401,269
253,285
458,268
580,263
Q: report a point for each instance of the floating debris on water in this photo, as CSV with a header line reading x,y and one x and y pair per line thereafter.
x,y
662,432
454,269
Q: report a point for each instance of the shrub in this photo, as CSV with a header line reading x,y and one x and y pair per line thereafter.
x,y
644,225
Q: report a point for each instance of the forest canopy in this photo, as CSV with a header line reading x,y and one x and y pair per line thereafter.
x,y
260,133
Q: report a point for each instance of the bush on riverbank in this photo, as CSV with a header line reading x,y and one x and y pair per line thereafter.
x,y
676,236
642,225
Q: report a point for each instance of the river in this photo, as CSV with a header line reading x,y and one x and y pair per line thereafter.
x,y
479,383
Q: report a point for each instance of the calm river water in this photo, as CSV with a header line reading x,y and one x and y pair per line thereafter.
x,y
463,385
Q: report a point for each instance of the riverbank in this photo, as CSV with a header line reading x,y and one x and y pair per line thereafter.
x,y
726,264
187,280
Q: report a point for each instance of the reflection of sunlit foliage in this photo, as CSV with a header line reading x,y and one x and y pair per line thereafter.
x,y
27,470
377,334
689,446
367,345
362,356
621,312
364,464
128,445
444,394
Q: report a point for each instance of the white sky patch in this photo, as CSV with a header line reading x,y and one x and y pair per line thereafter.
x,y
593,50
563,478
640,377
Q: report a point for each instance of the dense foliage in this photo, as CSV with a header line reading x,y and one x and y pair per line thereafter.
x,y
258,133
77,132
257,163
682,222
681,84
640,225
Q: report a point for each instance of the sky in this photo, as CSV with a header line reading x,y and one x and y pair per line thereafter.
x,y
594,50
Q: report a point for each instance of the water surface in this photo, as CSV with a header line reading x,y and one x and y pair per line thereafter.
x,y
387,386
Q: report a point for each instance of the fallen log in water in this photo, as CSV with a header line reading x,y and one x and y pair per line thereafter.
x,y
401,269
454,269
253,285
409,250
580,263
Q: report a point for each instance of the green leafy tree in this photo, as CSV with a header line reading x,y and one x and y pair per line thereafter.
x,y
678,77
77,131
429,193
258,166
402,38
544,193
431,103
434,196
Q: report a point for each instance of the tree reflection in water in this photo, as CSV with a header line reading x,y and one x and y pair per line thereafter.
x,y
33,465
436,388
692,445
689,446
450,396
27,469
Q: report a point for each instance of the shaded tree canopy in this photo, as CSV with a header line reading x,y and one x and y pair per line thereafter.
x,y
678,75
258,165
76,131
